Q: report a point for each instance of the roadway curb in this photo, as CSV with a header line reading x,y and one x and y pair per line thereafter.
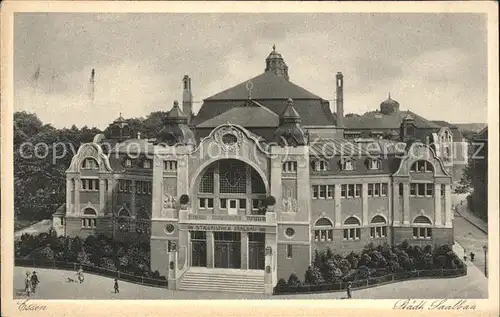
x,y
471,222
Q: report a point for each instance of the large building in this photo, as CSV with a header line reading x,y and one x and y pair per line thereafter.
x,y
245,191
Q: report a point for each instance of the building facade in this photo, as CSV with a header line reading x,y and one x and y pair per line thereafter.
x,y
254,184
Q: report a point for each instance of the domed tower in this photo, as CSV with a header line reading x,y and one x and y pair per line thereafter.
x,y
276,64
176,131
290,132
389,106
119,130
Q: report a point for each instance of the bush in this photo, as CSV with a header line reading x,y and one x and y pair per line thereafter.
x,y
280,286
269,201
293,280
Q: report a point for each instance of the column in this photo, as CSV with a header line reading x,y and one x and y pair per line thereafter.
x,y
447,206
77,196
437,204
132,199
102,196
244,251
389,197
248,209
109,199
210,249
157,190
69,197
276,180
406,203
397,213
364,197
216,190
338,204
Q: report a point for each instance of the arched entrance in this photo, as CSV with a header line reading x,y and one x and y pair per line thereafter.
x,y
229,189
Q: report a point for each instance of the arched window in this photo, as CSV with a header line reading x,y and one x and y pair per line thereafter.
x,y
90,163
124,213
352,233
422,166
88,219
423,230
323,230
378,227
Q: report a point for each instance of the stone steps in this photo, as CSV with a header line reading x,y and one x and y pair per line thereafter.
x,y
220,280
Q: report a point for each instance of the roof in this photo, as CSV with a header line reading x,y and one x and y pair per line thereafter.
x,y
330,147
61,211
250,114
377,120
265,86
483,134
134,146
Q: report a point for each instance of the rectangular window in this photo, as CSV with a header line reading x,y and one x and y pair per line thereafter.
x,y
421,189
385,186
201,203
330,192
377,190
243,203
443,189
289,253
130,188
223,203
401,189
374,164
422,233
413,189
289,166
357,189
378,232
316,235
343,191
128,163
350,190
210,203
315,192
170,166
347,165
352,234
370,190
256,203
429,190
150,187
323,166
322,191
147,164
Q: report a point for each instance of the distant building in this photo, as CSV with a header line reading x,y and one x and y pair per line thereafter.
x,y
257,181
479,196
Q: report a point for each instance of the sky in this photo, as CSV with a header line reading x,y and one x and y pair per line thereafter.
x,y
432,64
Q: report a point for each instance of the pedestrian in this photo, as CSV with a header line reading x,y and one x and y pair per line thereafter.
x,y
349,286
117,290
79,274
27,284
472,256
34,281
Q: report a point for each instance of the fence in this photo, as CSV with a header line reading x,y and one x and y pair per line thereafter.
x,y
370,282
92,269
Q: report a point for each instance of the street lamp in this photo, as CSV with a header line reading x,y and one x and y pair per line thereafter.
x,y
485,248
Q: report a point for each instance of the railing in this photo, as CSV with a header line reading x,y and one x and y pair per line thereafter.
x,y
92,269
253,218
372,281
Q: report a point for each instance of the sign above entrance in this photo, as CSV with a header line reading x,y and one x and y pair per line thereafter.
x,y
226,228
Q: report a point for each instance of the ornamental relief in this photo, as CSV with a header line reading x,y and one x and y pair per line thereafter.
x,y
229,139
169,196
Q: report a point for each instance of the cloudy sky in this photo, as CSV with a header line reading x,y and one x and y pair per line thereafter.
x,y
433,64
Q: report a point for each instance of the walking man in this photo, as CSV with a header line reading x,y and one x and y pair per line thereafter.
x,y
472,256
34,281
27,284
116,286
349,286
79,274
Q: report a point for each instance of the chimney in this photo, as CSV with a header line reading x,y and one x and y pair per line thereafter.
x,y
187,97
340,99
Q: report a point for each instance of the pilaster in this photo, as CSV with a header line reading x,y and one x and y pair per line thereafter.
x,y
448,220
102,197
437,205
337,205
406,203
244,251
364,197
210,249
397,214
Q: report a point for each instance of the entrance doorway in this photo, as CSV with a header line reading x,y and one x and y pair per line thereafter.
x,y
198,248
227,250
256,250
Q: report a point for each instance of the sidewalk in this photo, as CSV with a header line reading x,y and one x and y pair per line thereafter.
x,y
470,217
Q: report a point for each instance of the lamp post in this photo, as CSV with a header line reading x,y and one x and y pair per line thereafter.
x,y
485,248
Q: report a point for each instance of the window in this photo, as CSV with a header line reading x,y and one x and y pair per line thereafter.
x,y
378,227
350,191
256,203
89,223
422,166
443,189
352,233
90,163
128,163
243,203
223,203
323,230
401,189
90,184
229,139
374,164
206,203
422,233
377,190
207,182
319,165
370,190
384,189
170,166
290,167
422,189
347,165
146,164
210,203
289,232
322,191
289,252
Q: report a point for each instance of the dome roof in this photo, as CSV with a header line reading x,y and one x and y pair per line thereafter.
x,y
289,115
389,106
175,131
390,102
175,115
274,54
290,133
